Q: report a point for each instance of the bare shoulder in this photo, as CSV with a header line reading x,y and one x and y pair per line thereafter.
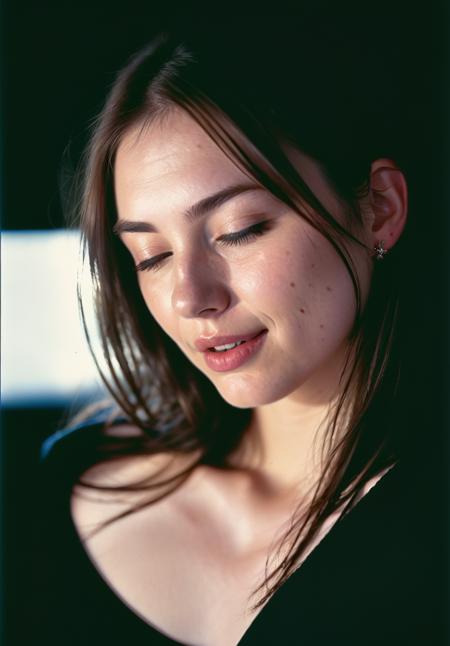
x,y
111,487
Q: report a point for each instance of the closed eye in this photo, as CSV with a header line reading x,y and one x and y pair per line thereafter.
x,y
152,263
241,237
229,239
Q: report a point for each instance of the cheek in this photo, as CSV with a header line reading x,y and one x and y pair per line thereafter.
x,y
303,286
269,275
291,270
159,306
328,299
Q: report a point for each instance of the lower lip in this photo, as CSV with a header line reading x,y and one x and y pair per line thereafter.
x,y
232,359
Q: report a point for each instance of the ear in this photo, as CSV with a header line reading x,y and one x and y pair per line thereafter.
x,y
388,200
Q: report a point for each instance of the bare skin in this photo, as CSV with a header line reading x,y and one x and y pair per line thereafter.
x,y
189,563
289,281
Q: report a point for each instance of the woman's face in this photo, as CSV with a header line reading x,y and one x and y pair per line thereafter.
x,y
217,256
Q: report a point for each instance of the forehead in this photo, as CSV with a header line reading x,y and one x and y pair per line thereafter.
x,y
173,159
173,149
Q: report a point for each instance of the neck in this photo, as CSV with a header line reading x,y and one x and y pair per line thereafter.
x,y
283,443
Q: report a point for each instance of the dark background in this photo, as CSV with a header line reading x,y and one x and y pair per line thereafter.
x,y
59,59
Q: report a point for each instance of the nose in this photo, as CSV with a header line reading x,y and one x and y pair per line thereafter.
x,y
199,289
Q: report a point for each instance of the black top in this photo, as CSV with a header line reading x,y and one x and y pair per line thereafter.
x,y
373,579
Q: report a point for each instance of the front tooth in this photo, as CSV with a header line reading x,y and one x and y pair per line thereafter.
x,y
228,346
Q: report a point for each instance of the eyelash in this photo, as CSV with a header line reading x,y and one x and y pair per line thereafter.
x,y
228,240
244,236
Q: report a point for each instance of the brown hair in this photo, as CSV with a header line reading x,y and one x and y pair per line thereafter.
x,y
154,385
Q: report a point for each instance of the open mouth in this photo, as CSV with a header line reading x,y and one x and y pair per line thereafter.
x,y
225,348
231,356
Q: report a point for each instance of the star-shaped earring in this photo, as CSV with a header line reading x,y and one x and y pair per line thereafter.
x,y
379,250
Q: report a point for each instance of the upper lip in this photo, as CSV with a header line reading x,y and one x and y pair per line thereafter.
x,y
204,343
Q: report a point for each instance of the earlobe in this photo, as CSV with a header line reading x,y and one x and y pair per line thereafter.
x,y
388,201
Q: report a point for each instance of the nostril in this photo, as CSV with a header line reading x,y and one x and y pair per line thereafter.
x,y
207,310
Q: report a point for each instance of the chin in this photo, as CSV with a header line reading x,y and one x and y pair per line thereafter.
x,y
242,394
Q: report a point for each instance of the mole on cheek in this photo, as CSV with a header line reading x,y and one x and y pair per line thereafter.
x,y
322,326
302,310
329,289
292,284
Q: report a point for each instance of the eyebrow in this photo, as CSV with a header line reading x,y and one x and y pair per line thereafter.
x,y
199,209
